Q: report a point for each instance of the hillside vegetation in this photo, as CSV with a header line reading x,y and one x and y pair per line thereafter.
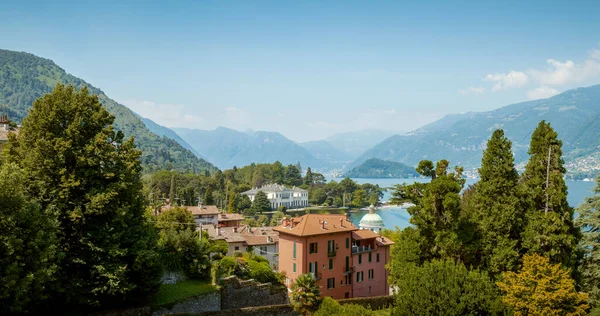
x,y
377,168
25,77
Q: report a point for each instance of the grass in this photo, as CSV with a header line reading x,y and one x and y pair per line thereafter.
x,y
170,294
383,312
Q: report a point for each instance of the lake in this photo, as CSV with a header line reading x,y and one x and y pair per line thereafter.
x,y
396,216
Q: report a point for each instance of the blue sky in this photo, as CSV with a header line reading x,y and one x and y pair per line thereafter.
x,y
309,69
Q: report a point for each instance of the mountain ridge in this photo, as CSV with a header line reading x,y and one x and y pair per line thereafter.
x,y
461,139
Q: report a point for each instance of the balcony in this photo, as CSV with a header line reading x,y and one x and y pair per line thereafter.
x,y
361,249
318,276
331,254
349,270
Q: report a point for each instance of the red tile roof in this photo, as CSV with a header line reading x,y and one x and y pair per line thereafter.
x,y
205,210
224,217
316,224
364,234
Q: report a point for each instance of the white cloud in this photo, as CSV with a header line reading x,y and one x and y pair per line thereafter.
x,y
170,115
472,90
561,73
513,79
541,93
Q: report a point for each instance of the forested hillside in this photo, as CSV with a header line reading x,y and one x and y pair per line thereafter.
x,y
25,77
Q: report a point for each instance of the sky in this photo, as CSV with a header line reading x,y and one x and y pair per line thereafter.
x,y
310,69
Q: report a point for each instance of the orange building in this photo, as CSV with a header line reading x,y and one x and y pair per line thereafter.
x,y
322,244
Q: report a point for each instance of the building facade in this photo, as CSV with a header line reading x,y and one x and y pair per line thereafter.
x,y
279,195
337,253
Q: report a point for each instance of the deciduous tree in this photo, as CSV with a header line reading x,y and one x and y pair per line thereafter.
x,y
541,288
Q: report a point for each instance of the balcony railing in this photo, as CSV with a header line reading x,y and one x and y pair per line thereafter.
x,y
318,276
359,249
349,270
331,254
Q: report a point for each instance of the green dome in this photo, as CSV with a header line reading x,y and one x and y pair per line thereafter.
x,y
371,220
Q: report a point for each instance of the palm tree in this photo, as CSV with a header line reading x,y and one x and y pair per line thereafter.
x,y
306,295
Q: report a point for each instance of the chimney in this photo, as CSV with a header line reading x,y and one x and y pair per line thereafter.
x,y
341,222
235,229
218,231
323,224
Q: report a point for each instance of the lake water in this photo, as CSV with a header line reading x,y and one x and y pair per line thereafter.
x,y
396,216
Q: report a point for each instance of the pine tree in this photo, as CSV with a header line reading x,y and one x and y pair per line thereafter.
x,y
86,177
172,190
498,212
589,223
549,230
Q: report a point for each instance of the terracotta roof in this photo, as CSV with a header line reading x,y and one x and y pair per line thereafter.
x,y
383,241
316,224
229,234
230,217
205,210
364,234
259,235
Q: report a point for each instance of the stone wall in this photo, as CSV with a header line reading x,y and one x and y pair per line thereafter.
x,y
237,294
199,304
274,310
170,277
372,303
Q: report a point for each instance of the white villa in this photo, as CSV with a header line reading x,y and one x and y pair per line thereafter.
x,y
279,195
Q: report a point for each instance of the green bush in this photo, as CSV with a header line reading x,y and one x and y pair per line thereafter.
x,y
262,272
330,307
445,287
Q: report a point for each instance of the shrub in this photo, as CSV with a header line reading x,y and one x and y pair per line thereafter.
x,y
330,307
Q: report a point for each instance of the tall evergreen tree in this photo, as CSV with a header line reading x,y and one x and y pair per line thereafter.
x,y
86,176
308,178
172,190
589,223
549,230
208,197
261,203
498,211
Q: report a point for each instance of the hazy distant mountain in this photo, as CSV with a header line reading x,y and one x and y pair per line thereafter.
x,y
326,152
167,132
227,147
377,168
575,114
356,143
25,77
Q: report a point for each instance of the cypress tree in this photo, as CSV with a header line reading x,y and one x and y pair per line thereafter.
x,y
86,177
208,197
549,230
498,212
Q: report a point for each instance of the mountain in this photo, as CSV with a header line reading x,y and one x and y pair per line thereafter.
x,y
326,152
356,143
25,77
227,147
377,168
574,114
168,133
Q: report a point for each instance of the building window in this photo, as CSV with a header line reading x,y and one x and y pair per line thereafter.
x,y
360,276
331,283
263,250
331,246
370,257
347,263
347,243
294,254
377,257
313,247
294,268
348,279
359,257
371,274
313,267
330,264
236,248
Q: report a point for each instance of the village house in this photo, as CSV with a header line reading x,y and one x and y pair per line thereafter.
x,y
230,220
346,262
279,195
5,129
263,241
